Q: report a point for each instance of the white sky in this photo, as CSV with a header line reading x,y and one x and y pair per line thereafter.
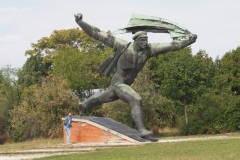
x,y
22,22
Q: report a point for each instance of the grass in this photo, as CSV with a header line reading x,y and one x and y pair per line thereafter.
x,y
190,150
168,132
196,150
33,144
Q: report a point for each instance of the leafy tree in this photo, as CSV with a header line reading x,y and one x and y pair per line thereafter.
x,y
41,110
207,114
10,96
230,72
80,69
58,54
32,71
117,110
10,90
215,113
48,47
184,77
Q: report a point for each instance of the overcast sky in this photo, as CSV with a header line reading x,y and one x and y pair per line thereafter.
x,y
22,22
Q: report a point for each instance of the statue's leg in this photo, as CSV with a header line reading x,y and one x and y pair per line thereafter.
x,y
97,99
127,94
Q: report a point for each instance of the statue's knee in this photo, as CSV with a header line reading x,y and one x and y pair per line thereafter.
x,y
137,101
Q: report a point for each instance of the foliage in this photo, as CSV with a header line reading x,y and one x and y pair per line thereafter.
x,y
80,69
231,114
3,130
213,114
205,116
182,76
229,72
118,110
33,70
61,41
10,96
10,90
70,53
40,112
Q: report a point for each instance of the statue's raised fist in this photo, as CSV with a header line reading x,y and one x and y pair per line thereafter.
x,y
193,37
78,17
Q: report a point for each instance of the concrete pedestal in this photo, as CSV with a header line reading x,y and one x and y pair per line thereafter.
x,y
87,129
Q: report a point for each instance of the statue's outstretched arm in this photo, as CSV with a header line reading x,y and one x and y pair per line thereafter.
x,y
162,48
95,32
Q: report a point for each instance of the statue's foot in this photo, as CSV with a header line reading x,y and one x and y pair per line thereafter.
x,y
82,109
144,132
149,138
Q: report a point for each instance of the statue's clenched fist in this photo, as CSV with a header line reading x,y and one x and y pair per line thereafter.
x,y
193,37
78,17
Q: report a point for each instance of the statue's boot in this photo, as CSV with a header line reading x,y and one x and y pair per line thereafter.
x,y
149,138
82,109
145,134
137,118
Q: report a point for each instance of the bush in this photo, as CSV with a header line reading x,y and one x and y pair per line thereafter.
x,y
3,130
213,114
118,110
40,112
231,115
3,138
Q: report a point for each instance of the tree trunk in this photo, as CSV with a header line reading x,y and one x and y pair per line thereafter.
x,y
185,110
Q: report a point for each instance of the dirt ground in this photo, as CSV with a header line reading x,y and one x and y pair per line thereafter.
x,y
81,147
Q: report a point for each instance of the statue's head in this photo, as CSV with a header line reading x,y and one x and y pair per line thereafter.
x,y
141,39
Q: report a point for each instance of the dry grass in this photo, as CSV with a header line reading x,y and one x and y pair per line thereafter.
x,y
33,144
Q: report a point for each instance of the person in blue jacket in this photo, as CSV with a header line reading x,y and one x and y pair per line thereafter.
x,y
67,128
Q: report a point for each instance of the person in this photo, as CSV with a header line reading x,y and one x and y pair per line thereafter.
x,y
67,128
124,65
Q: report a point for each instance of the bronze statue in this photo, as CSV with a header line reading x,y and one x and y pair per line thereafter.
x,y
124,65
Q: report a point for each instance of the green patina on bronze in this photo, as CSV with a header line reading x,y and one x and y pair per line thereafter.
x,y
154,24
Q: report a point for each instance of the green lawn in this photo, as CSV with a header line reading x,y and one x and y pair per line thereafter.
x,y
226,149
198,150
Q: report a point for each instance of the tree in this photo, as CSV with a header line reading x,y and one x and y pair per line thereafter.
x,y
49,47
10,96
33,70
10,90
80,69
58,54
230,71
184,77
40,112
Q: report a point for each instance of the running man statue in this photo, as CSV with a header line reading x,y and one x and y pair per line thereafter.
x,y
124,65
